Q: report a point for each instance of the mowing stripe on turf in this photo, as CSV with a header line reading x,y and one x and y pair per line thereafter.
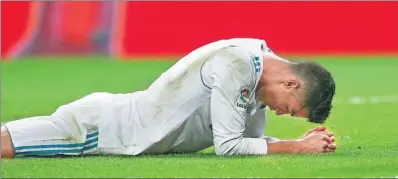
x,y
358,100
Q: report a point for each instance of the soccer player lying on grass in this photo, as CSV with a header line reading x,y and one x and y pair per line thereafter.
x,y
216,95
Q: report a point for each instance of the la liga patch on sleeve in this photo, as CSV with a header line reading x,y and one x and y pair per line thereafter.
x,y
243,98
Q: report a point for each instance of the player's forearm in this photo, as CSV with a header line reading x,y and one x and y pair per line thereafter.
x,y
258,146
243,146
283,147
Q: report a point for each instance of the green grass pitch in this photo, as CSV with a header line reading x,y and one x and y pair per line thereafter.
x,y
366,134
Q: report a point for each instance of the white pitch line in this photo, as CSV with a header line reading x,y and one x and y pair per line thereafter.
x,y
358,100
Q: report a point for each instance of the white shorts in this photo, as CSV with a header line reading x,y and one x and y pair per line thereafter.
x,y
71,130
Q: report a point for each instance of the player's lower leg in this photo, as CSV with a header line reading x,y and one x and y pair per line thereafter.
x,y
7,150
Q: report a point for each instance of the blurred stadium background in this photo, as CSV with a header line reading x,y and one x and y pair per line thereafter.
x,y
131,29
54,52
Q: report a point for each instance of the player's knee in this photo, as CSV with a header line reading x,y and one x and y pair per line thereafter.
x,y
7,150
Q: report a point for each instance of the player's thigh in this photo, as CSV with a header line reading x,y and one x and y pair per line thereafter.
x,y
85,112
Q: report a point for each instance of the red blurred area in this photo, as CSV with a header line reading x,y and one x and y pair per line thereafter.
x,y
14,21
79,19
288,27
175,28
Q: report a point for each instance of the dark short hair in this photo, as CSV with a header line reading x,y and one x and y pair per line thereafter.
x,y
319,89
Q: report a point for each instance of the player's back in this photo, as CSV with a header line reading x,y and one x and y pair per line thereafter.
x,y
174,107
166,105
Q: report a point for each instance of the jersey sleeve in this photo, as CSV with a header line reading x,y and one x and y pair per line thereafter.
x,y
232,82
256,127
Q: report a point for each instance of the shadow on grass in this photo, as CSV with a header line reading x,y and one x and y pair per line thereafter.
x,y
349,151
207,155
146,156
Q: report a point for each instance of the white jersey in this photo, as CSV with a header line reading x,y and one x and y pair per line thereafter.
x,y
207,98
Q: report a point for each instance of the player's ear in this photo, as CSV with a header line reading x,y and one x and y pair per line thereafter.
x,y
291,83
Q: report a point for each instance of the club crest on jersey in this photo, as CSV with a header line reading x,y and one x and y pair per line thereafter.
x,y
244,95
243,98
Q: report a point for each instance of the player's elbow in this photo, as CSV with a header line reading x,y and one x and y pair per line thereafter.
x,y
222,152
226,148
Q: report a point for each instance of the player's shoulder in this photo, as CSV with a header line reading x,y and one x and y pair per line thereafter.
x,y
241,61
237,52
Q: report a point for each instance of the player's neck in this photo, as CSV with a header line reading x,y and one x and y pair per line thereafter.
x,y
274,70
274,73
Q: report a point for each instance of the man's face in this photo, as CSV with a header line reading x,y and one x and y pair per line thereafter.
x,y
284,98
